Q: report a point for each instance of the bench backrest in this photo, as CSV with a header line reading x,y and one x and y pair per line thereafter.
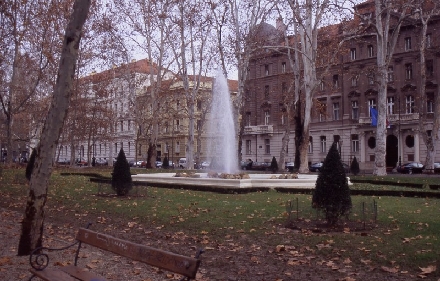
x,y
186,266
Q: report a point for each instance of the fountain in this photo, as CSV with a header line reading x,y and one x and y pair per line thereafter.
x,y
222,141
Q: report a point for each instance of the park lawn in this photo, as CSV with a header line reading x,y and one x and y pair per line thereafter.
x,y
406,237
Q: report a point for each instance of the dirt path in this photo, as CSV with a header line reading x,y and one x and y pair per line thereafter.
x,y
233,260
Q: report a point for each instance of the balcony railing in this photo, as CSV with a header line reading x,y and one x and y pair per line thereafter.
x,y
393,118
258,130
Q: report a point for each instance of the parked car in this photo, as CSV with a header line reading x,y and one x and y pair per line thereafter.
x,y
436,167
246,164
158,164
411,168
316,167
289,166
182,163
205,164
63,161
260,166
141,164
81,162
101,162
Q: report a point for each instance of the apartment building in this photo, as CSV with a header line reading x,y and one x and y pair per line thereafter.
x,y
342,102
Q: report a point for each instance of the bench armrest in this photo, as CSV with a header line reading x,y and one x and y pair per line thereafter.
x,y
39,259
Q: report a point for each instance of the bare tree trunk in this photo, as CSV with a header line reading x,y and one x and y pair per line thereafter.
x,y
32,224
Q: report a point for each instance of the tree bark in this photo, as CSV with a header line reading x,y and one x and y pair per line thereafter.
x,y
33,221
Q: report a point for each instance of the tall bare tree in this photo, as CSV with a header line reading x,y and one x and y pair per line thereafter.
x,y
235,23
386,23
33,221
28,33
193,58
148,32
425,11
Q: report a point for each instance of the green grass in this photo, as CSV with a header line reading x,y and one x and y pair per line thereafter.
x,y
407,236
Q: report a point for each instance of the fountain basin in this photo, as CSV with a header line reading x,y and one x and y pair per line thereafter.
x,y
255,181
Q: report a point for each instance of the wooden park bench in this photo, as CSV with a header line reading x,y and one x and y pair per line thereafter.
x,y
182,265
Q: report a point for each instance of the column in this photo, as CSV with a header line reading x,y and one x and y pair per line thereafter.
x,y
416,147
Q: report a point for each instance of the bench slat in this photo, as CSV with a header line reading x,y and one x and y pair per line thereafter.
x,y
186,266
51,274
81,273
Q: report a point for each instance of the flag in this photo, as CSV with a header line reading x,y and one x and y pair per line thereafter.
x,y
373,114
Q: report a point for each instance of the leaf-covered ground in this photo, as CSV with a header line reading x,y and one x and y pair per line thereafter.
x,y
239,258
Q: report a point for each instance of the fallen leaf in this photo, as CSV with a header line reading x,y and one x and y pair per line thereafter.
x,y
429,269
389,269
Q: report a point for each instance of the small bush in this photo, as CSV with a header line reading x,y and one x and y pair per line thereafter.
x,y
274,165
121,177
166,163
354,167
332,194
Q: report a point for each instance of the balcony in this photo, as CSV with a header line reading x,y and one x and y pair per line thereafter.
x,y
258,130
393,118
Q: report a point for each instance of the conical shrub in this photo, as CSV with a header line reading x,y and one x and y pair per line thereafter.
x,y
332,194
121,176
354,167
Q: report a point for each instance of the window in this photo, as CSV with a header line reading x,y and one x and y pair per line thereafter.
x,y
409,104
371,103
428,40
266,117
354,81
390,74
353,53
354,110
199,105
267,146
407,43
140,150
266,69
310,144
323,144
390,105
122,125
371,78
116,148
429,68
370,50
321,86
248,147
429,106
336,111
336,81
248,119
354,143
266,92
408,71
199,125
283,67
282,119
129,125
321,107
177,125
129,147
